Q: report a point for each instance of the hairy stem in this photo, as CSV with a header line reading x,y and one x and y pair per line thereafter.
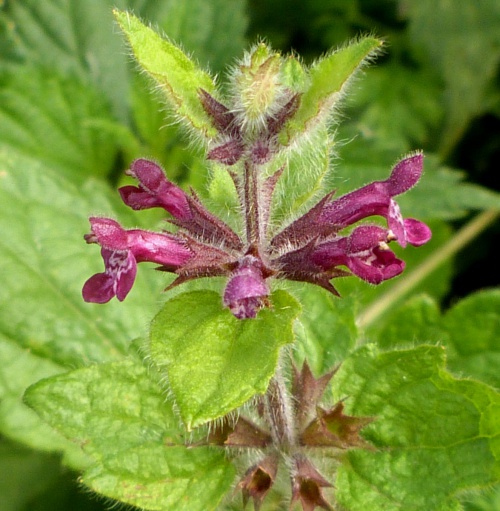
x,y
279,412
409,281
251,198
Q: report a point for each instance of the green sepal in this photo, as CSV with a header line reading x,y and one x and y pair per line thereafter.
x,y
177,75
212,361
119,416
327,80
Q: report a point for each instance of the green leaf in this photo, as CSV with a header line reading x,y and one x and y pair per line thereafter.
x,y
119,416
435,436
304,179
327,81
469,330
326,331
443,193
45,327
215,362
398,106
20,368
176,74
473,328
488,500
417,320
56,120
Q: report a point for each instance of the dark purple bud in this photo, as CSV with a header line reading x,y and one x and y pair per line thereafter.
x,y
228,153
260,152
121,251
154,190
307,484
246,291
258,480
405,174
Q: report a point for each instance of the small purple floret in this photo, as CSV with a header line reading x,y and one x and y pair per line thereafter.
x,y
376,199
121,251
325,243
246,290
154,190
364,252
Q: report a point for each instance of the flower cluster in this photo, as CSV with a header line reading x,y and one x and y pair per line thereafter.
x,y
314,248
310,249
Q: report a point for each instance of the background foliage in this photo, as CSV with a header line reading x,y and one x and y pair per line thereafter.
x,y
74,111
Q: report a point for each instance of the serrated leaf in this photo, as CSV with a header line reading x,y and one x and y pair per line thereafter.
x,y
470,330
120,417
176,74
327,80
215,362
473,328
418,320
45,326
435,436
398,106
19,369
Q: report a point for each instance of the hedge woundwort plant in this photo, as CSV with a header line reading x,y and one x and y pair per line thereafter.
x,y
263,117
220,358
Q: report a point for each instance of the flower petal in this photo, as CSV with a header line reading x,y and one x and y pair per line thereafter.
x,y
154,190
117,280
246,290
98,289
417,233
108,233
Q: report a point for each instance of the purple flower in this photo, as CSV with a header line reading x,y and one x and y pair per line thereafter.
x,y
375,199
247,290
154,190
121,251
325,243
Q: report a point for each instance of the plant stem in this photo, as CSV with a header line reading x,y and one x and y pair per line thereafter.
x,y
407,283
279,412
251,198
